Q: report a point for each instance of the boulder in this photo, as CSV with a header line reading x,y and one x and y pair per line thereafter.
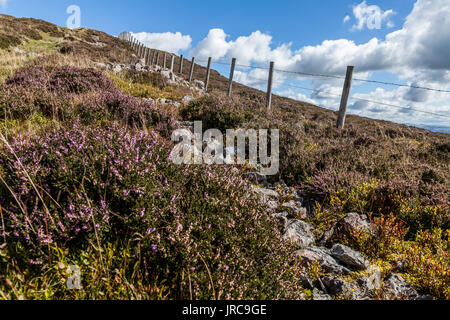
x,y
117,68
323,257
342,288
187,99
199,84
372,282
166,74
395,287
354,221
299,232
349,256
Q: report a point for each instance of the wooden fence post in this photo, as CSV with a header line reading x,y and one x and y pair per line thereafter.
x,y
149,57
191,72
180,70
172,61
269,86
208,71
344,99
145,56
230,80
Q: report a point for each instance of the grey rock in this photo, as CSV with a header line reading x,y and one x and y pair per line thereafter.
x,y
323,257
117,68
319,295
266,194
327,235
166,74
340,287
354,221
296,208
371,283
199,84
100,65
299,232
395,287
187,99
349,256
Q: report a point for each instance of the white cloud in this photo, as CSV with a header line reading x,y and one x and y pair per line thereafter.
x,y
3,3
347,18
168,41
417,53
371,16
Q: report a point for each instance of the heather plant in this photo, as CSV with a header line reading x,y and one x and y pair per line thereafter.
x,y
199,231
67,93
216,112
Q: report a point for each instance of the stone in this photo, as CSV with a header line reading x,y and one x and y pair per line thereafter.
x,y
296,208
319,295
323,257
349,256
166,74
266,194
340,287
187,99
117,68
327,235
299,233
199,84
395,287
100,65
354,221
372,282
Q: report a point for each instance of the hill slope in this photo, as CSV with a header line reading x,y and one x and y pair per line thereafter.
x,y
86,180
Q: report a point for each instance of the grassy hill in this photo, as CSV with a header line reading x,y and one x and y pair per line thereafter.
x,y
86,180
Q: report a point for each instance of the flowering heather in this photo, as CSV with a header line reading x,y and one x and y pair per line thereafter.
x,y
89,184
68,93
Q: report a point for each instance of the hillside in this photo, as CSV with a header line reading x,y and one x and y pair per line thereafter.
x,y
86,180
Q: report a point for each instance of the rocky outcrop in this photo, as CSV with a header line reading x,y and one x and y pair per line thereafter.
x,y
349,257
395,287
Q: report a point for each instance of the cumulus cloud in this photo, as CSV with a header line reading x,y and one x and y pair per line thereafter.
x,y
168,41
417,53
347,19
371,16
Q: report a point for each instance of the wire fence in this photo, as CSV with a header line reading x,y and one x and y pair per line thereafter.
x,y
145,52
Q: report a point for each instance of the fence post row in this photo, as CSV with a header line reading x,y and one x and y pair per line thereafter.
x,y
208,71
151,57
230,80
191,72
181,64
269,86
344,99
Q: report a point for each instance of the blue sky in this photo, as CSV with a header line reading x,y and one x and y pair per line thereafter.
x,y
410,44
